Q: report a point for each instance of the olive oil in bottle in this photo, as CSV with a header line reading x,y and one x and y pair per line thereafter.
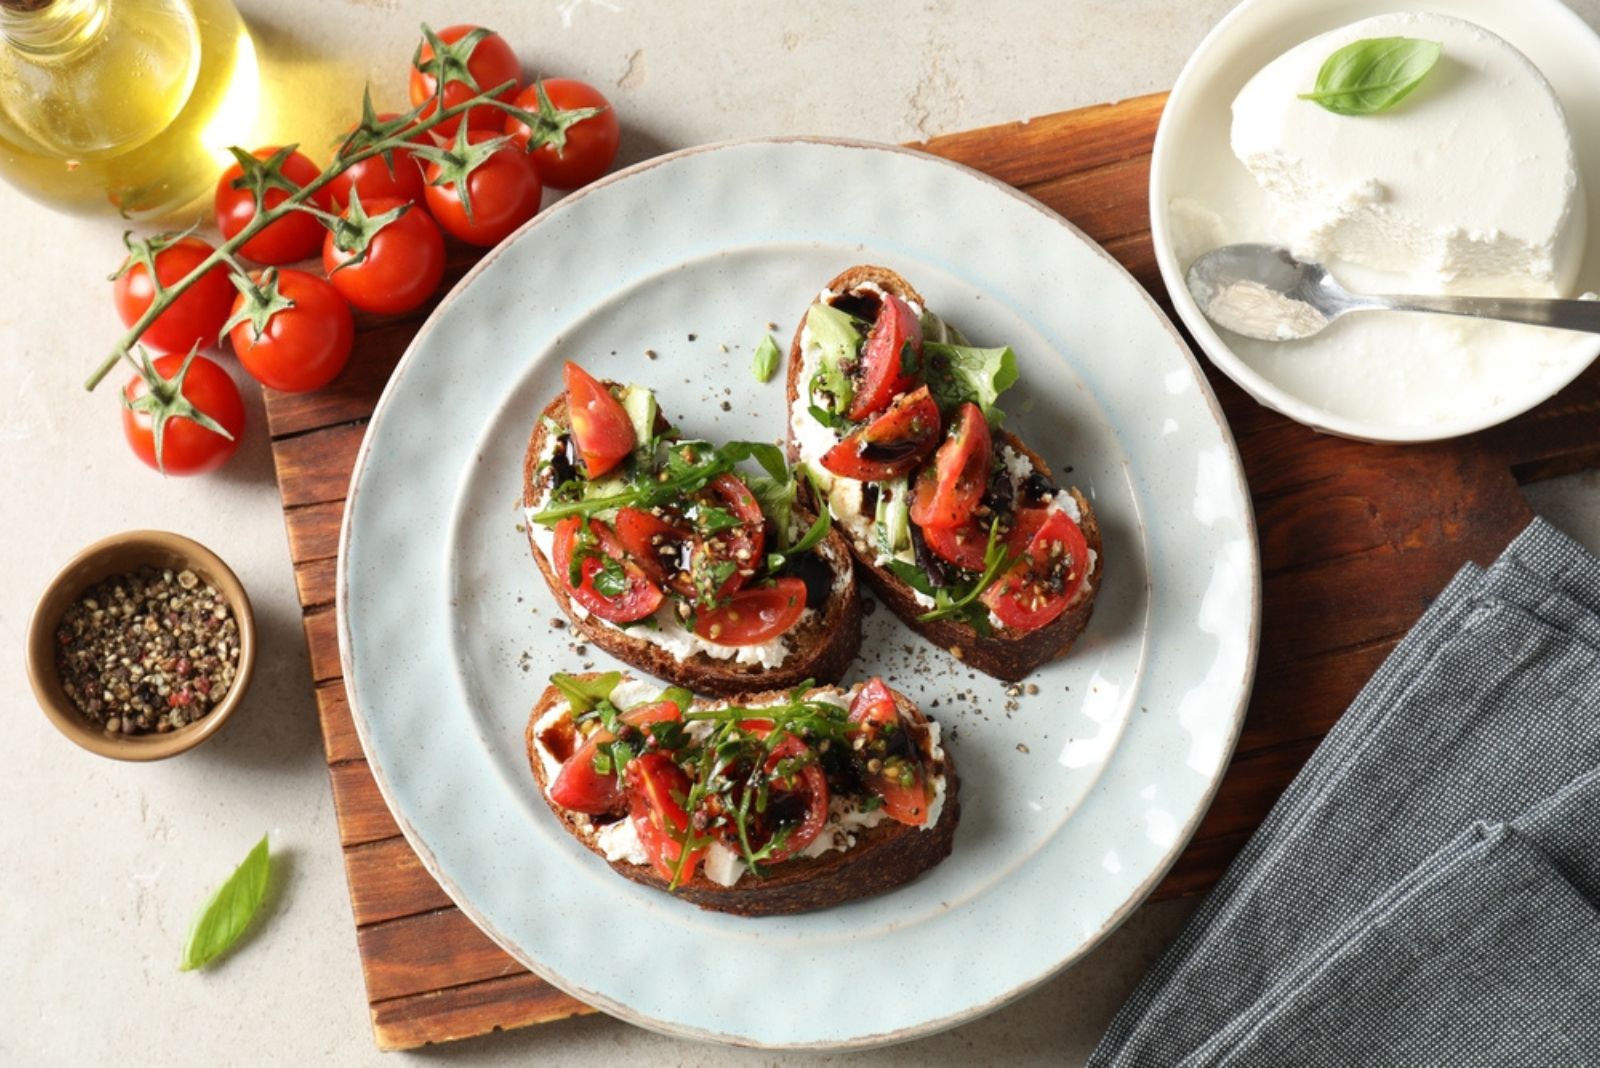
x,y
125,106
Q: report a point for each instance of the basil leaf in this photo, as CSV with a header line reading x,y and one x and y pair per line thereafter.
x,y
228,913
612,579
768,455
1373,75
776,497
960,373
765,363
582,694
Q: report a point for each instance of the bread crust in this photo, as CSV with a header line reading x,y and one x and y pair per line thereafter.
x,y
883,857
821,648
1004,653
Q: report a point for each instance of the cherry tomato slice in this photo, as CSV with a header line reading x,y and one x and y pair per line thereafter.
x,y
600,425
901,780
638,596
741,545
196,317
963,546
892,444
579,787
656,789
888,366
808,784
657,545
949,488
1040,586
755,615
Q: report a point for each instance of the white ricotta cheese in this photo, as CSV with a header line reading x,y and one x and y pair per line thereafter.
x,y
1469,185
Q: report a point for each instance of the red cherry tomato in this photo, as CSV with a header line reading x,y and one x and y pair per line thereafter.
x,y
590,144
600,425
196,317
808,784
949,488
577,786
505,193
891,360
963,546
375,178
620,592
1039,587
403,265
901,781
654,786
892,444
490,62
187,447
303,347
293,237
753,616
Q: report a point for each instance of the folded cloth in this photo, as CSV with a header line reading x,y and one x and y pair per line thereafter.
x,y
1485,710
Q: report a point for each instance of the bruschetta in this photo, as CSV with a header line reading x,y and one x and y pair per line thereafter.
x,y
695,562
764,804
958,526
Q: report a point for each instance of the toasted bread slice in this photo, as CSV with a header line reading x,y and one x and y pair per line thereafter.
x,y
881,857
821,647
1004,653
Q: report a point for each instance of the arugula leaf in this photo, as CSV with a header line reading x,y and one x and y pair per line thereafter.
x,y
765,362
1373,74
612,579
228,912
768,455
825,417
689,466
776,497
911,575
961,373
582,694
813,535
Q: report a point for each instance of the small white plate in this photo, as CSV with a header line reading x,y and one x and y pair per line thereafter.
x,y
1074,799
1194,168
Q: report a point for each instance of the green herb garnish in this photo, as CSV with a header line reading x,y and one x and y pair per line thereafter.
x,y
583,694
948,601
961,373
765,362
1372,75
612,578
228,912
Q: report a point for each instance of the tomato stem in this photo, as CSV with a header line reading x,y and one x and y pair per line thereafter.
x,y
407,127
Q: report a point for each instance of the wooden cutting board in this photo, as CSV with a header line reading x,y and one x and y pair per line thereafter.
x,y
1355,539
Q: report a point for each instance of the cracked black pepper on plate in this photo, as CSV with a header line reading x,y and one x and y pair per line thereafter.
x,y
147,651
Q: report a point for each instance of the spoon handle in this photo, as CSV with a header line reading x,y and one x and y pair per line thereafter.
x,y
1561,314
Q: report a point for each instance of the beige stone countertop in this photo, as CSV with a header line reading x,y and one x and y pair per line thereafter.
x,y
104,863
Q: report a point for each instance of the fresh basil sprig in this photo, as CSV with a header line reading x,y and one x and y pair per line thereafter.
x,y
765,362
1372,75
229,911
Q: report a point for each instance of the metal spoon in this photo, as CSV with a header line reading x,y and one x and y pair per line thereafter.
x,y
1262,291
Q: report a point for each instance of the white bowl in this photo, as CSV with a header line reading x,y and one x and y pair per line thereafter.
x,y
1193,160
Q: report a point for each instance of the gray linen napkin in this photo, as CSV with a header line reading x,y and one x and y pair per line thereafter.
x,y
1483,712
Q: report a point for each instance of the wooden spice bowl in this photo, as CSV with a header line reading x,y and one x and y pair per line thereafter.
x,y
116,555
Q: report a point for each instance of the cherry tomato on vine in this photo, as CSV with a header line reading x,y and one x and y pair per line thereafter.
x,y
504,191
467,51
402,264
293,237
300,335
195,317
159,432
373,178
572,151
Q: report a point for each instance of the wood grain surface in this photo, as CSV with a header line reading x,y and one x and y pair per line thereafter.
x,y
1355,540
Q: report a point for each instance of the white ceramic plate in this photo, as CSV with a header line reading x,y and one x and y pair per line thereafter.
x,y
1194,168
1074,799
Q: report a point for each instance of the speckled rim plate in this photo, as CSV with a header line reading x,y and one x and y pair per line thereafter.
x,y
1076,797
